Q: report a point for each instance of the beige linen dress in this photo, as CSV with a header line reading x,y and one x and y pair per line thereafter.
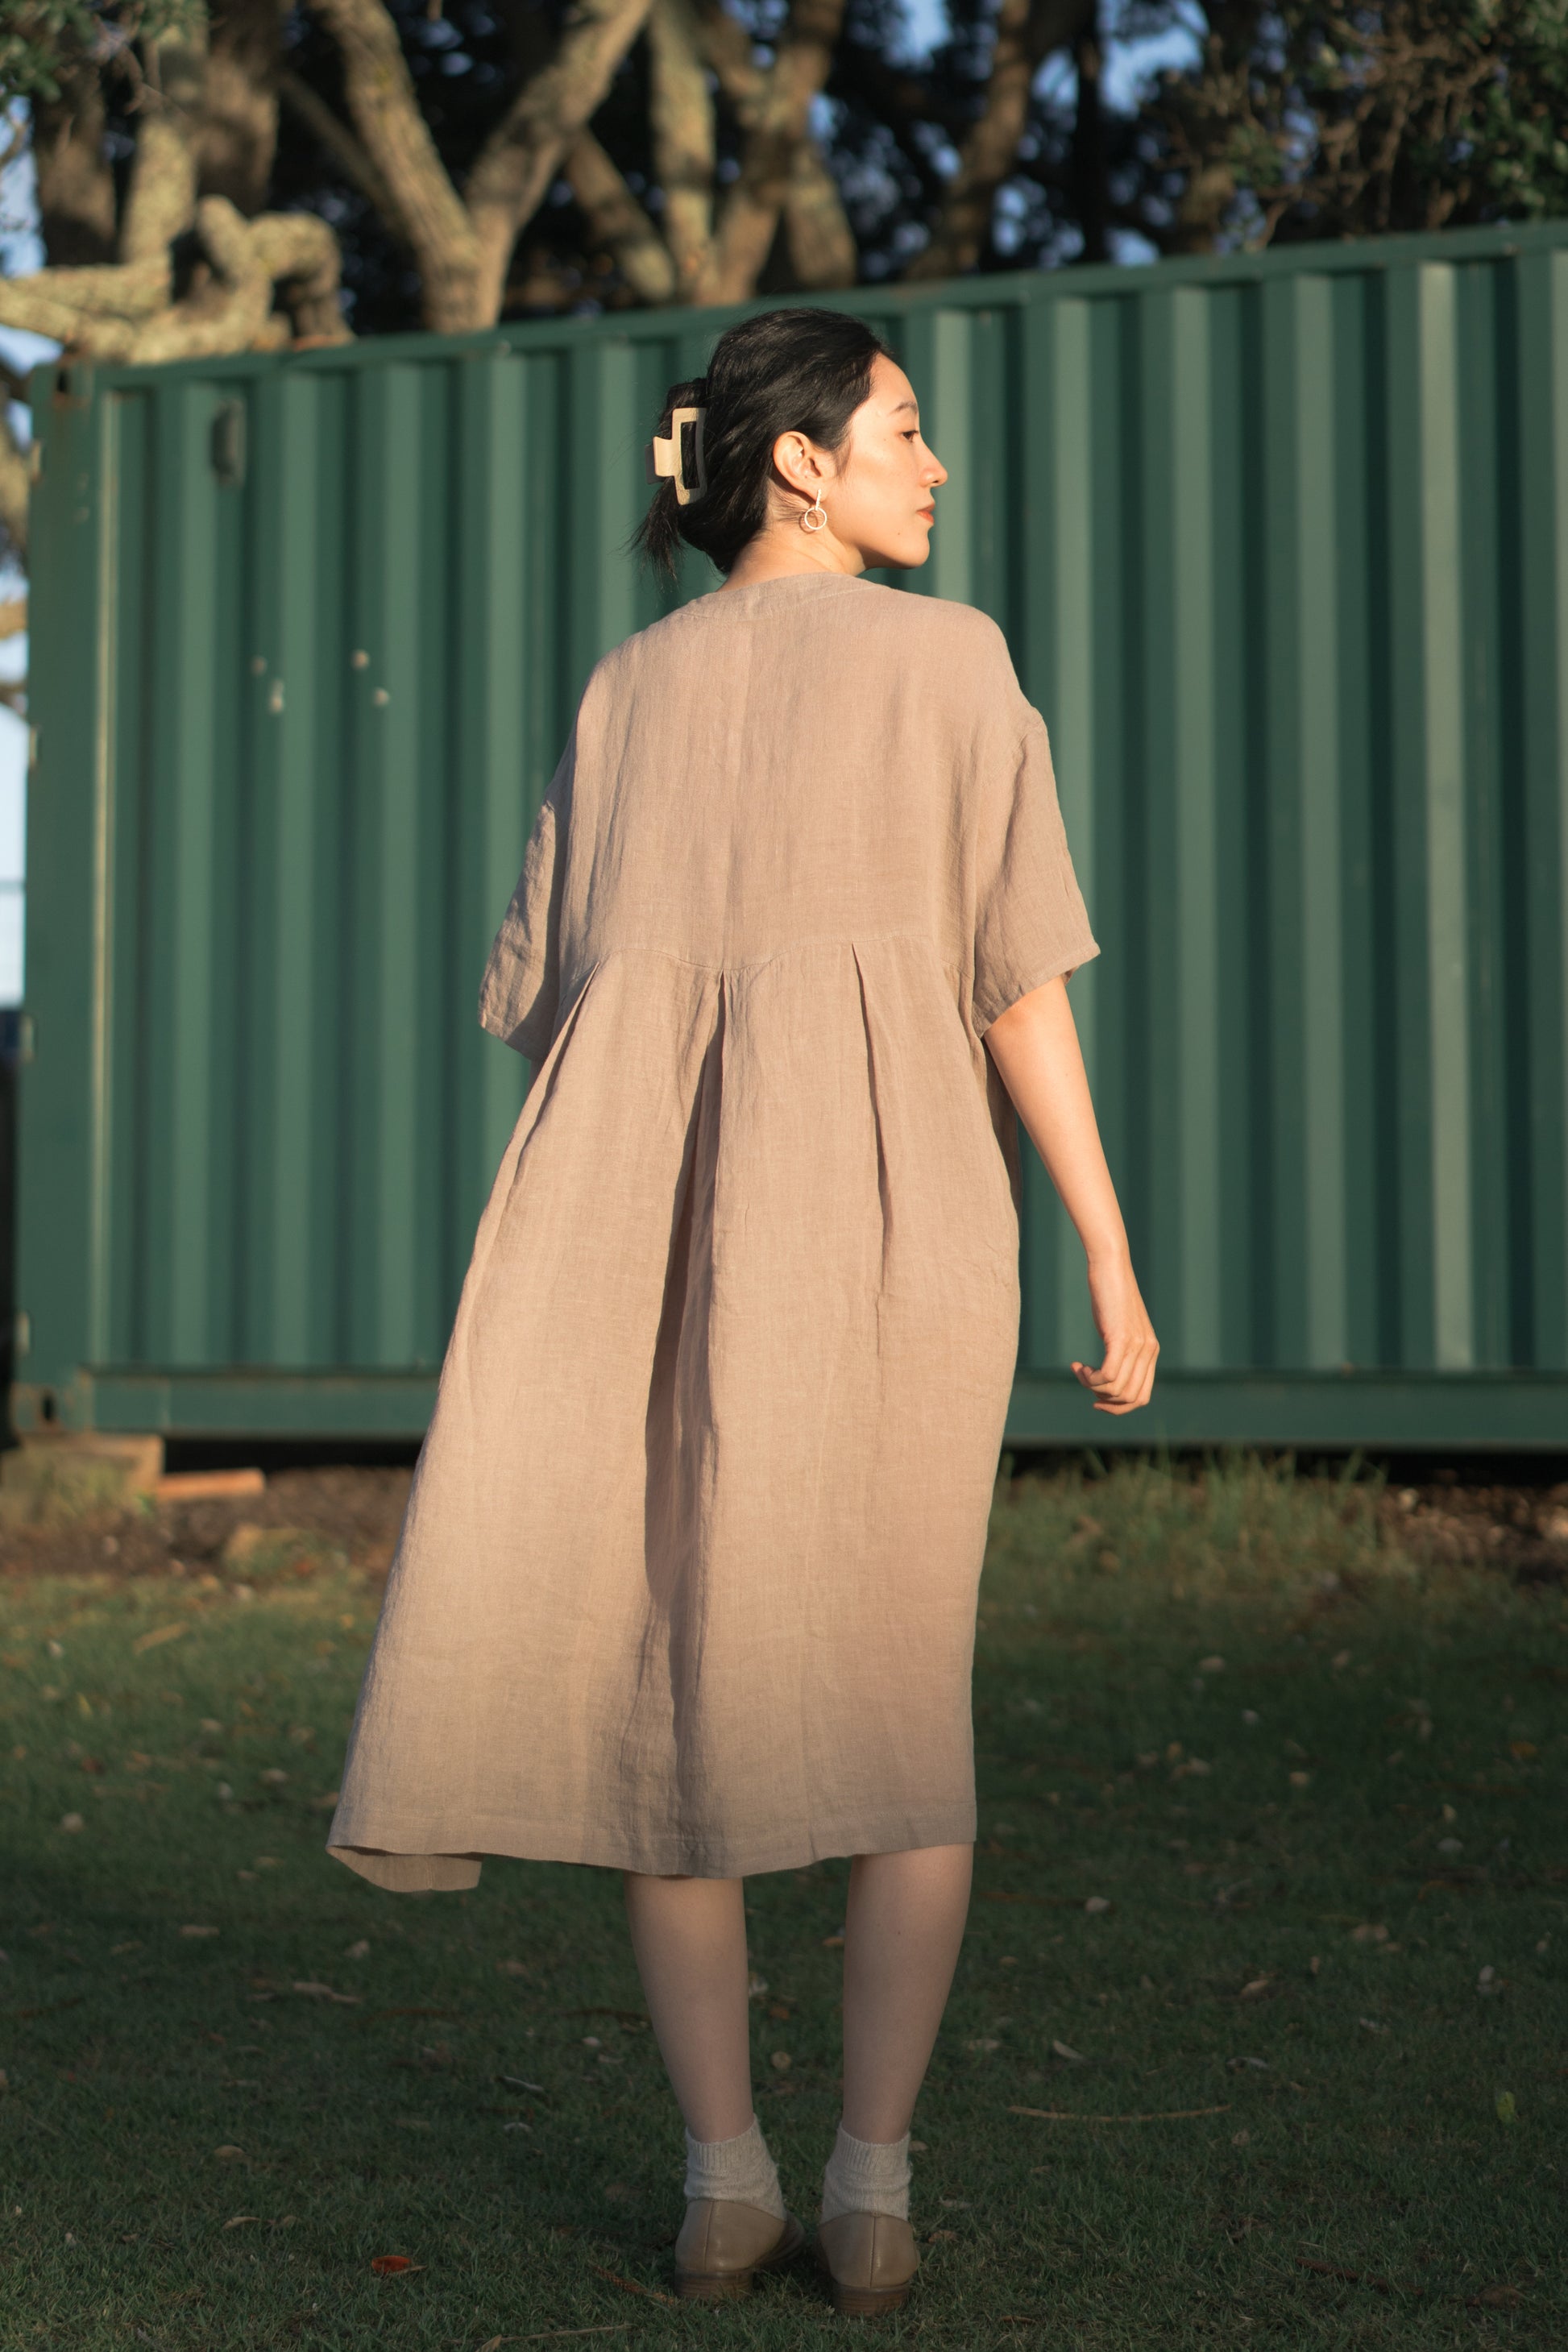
x,y
688,1578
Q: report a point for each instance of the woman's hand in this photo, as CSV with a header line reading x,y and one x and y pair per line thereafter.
x,y
1126,1372
1035,1047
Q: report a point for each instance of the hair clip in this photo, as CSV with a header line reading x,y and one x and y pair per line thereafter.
x,y
665,458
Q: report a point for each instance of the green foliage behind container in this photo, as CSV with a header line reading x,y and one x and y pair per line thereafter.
x,y
1280,544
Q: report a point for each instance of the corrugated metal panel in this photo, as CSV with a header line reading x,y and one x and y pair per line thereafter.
x,y
1282,547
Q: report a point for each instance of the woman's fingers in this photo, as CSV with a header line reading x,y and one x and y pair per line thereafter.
x,y
1124,1380
1131,1393
1117,1366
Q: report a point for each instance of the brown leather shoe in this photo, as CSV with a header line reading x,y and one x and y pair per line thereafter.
x,y
723,2246
870,2260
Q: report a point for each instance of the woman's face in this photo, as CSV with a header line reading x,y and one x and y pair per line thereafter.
x,y
878,490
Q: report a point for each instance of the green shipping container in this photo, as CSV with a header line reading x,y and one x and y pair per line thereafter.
x,y
1280,544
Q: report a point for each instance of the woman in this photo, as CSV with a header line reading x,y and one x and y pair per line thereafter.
x,y
687,1583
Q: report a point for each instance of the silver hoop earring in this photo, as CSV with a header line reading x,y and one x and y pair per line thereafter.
x,y
814,517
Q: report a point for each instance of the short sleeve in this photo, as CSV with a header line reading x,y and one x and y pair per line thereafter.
x,y
1030,924
522,990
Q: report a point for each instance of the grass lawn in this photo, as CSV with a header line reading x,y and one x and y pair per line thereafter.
x,y
1259,2037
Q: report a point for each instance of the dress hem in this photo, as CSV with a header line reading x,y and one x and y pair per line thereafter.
x,y
419,1868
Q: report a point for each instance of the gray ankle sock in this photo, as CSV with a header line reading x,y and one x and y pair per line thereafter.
x,y
738,2171
865,2175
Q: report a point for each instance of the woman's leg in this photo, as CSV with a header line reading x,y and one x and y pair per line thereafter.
x,y
904,1926
902,1932
689,1935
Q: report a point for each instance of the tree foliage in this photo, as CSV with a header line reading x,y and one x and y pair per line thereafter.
x,y
1309,119
43,42
219,174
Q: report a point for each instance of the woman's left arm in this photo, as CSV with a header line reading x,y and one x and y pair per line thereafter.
x,y
1035,1049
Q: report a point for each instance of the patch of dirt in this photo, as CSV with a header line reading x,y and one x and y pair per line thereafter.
x,y
355,1511
1520,1531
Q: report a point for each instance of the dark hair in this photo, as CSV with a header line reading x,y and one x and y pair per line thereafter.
x,y
782,372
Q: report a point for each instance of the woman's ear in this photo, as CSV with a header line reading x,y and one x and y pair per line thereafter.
x,y
795,462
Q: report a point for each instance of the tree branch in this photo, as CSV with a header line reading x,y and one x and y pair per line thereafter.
x,y
1026,33
822,249
527,147
16,478
618,222
680,110
42,305
238,135
74,181
300,256
124,314
429,215
751,211
161,200
338,141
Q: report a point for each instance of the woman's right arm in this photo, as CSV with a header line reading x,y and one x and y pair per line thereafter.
x,y
1035,1049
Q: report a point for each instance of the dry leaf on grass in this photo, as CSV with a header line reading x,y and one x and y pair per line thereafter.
x,y
158,1636
1165,2116
1096,1904
1352,2278
309,1985
1258,1985
392,2265
236,2220
630,2286
549,2335
1073,2057
229,2151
